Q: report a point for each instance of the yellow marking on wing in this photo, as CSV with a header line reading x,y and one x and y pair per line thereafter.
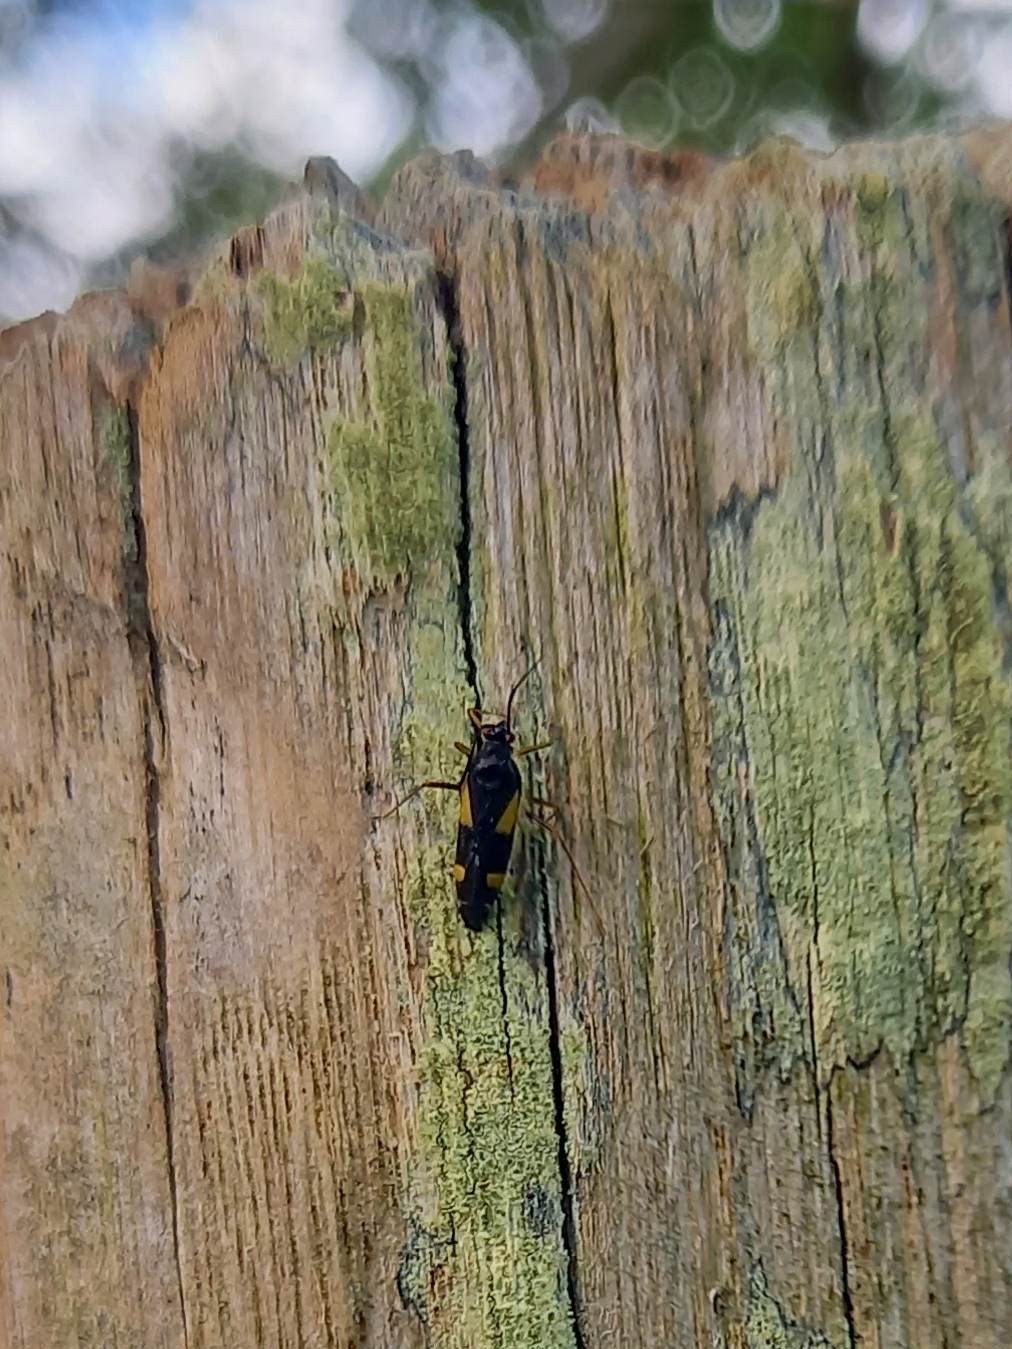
x,y
494,880
465,806
508,819
459,873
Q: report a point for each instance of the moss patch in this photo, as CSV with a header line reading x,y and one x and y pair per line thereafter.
x,y
394,469
312,312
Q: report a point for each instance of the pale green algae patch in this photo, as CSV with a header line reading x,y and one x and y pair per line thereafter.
x,y
113,429
858,669
488,1198
781,291
391,452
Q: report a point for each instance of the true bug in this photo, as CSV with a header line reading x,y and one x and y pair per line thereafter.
x,y
490,790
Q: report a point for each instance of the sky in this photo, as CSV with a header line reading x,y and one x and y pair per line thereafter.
x,y
102,104
105,104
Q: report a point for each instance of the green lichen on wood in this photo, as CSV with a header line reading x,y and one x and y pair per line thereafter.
x,y
487,1189
768,1328
391,468
764,1011
859,660
877,720
311,312
781,285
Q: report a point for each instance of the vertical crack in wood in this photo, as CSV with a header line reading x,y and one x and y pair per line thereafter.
x,y
558,1096
449,307
848,1298
147,656
1006,248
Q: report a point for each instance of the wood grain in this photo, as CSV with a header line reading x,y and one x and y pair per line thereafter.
x,y
87,1244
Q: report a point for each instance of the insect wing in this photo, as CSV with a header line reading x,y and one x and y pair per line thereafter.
x,y
489,803
473,896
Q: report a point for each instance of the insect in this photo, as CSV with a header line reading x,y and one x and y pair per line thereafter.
x,y
490,791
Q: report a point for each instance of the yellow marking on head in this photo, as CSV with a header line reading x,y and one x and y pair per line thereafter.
x,y
459,873
508,819
465,806
494,880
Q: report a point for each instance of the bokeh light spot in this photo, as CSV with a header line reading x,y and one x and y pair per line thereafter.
x,y
646,111
487,96
589,115
703,87
889,28
574,20
949,51
746,24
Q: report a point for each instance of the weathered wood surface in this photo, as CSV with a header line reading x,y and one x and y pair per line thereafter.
x,y
728,449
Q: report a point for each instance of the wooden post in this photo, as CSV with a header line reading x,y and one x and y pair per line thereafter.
x,y
727,450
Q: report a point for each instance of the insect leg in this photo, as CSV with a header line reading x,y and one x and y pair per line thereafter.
x,y
443,786
532,749
551,830
462,748
545,805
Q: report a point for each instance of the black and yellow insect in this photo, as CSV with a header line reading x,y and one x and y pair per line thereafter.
x,y
490,791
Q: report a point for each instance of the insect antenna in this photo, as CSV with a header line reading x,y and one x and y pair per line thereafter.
x,y
513,692
443,786
553,832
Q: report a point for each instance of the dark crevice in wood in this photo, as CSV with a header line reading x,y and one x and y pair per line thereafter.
x,y
447,297
449,307
848,1298
148,661
814,1044
569,1240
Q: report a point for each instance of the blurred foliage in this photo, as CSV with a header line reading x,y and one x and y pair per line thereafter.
x,y
217,188
659,70
812,64
811,78
813,53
